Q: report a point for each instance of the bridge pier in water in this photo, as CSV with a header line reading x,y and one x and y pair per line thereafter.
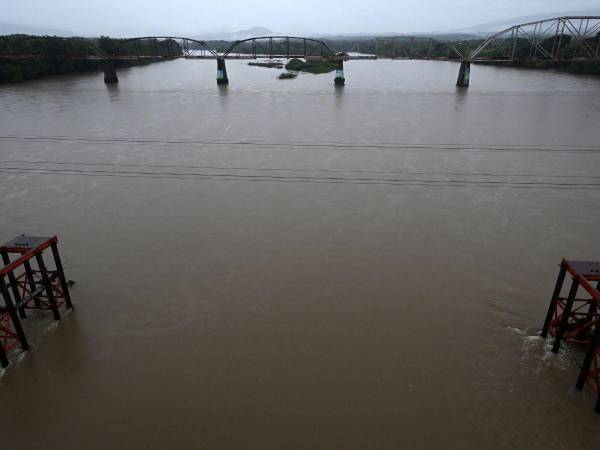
x,y
23,286
110,73
464,74
339,79
575,319
221,72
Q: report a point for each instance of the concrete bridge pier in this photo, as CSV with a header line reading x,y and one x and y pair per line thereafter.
x,y
221,72
464,74
339,79
110,73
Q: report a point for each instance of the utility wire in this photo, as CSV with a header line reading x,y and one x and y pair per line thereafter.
x,y
294,177
328,180
286,169
334,145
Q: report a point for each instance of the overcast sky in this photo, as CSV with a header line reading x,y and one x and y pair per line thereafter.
x,y
134,17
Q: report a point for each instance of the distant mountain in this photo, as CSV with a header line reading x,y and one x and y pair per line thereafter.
x,y
14,28
237,35
491,27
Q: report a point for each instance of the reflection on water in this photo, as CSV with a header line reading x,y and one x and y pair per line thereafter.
x,y
282,264
339,96
223,90
113,91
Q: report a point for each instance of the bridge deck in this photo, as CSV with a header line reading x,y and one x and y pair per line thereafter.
x,y
137,57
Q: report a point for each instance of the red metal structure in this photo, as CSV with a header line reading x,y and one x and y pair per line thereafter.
x,y
27,283
576,320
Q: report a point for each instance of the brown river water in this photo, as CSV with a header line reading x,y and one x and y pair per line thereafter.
x,y
280,264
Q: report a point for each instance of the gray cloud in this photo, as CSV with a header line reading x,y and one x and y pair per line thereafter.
x,y
134,17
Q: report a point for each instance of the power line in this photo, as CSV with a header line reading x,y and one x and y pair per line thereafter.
x,y
295,177
328,180
335,145
286,169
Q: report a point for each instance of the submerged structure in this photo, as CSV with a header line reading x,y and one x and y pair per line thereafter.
x,y
576,320
26,283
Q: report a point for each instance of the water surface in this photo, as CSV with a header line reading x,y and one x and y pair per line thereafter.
x,y
279,264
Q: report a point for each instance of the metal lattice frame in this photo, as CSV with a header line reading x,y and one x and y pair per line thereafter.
x,y
577,320
546,39
190,48
27,283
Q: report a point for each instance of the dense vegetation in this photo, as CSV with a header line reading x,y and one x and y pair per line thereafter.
x,y
55,56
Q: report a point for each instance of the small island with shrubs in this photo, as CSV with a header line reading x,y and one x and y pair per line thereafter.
x,y
316,67
287,75
268,64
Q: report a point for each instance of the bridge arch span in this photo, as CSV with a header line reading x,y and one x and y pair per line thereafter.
x,y
282,47
189,47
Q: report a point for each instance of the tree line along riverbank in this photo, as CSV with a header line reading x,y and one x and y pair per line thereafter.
x,y
24,58
428,47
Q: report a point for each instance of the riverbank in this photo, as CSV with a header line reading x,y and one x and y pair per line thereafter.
x,y
23,70
580,67
24,58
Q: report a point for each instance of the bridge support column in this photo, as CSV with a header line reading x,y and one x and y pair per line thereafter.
x,y
464,74
221,72
339,79
110,73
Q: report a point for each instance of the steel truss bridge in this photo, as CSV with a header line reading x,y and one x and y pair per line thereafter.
x,y
156,47
252,48
559,39
569,39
